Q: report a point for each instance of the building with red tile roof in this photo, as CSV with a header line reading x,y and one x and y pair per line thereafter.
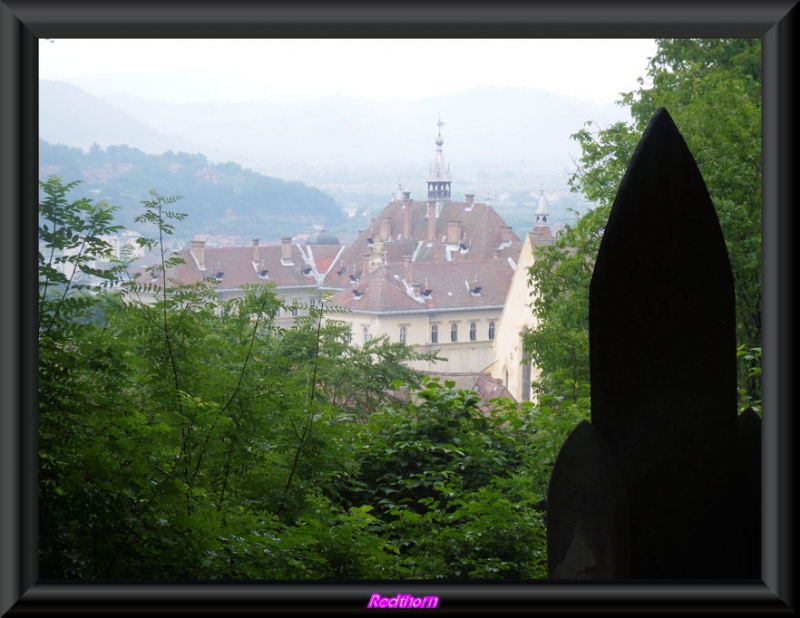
x,y
296,271
434,273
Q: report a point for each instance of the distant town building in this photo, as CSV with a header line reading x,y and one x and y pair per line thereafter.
x,y
444,275
437,274
511,366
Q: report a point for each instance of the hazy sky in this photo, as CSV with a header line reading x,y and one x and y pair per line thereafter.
x,y
379,69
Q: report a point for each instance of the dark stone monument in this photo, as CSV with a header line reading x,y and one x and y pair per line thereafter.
x,y
588,511
663,388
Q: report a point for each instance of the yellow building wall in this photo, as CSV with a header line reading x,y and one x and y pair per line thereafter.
x,y
516,317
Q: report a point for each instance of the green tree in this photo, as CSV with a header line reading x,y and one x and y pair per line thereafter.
x,y
453,486
357,379
71,351
184,436
712,90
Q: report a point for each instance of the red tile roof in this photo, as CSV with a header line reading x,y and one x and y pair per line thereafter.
x,y
470,269
242,265
442,285
402,229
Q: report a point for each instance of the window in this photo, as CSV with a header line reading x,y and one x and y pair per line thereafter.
x,y
366,334
403,334
473,331
434,333
526,381
349,335
491,329
454,332
312,303
295,305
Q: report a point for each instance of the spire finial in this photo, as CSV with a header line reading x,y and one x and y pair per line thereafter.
x,y
439,139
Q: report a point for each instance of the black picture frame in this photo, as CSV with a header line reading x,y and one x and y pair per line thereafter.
x,y
24,22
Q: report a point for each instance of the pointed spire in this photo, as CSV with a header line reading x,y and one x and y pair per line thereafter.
x,y
542,234
541,210
439,172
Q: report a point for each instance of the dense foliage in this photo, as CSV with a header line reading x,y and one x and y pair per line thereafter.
x,y
712,90
187,437
221,198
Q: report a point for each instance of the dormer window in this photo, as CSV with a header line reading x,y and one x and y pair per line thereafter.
x,y
263,273
476,291
427,293
307,270
219,276
357,294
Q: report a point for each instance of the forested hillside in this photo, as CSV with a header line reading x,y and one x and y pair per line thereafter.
x,y
220,199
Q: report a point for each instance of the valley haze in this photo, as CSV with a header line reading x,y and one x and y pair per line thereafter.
x,y
505,145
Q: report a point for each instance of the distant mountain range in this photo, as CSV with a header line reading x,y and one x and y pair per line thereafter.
x,y
337,138
73,117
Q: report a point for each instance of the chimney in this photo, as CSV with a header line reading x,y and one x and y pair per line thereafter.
x,y
431,221
286,249
407,220
407,268
365,268
470,197
407,196
386,228
505,233
255,250
199,252
417,287
453,232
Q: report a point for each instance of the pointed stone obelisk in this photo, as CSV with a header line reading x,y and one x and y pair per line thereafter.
x,y
664,482
663,360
